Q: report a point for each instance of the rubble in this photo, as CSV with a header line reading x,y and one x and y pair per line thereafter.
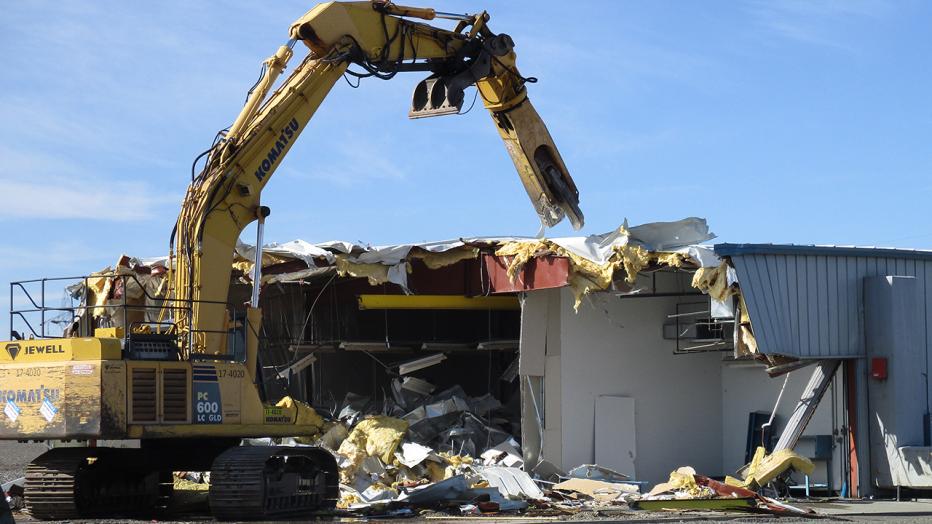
x,y
764,468
12,496
687,490
420,451
600,490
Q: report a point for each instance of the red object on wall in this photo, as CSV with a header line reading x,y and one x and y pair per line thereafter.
x,y
543,272
879,368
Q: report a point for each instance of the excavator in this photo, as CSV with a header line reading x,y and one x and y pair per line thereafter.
x,y
175,384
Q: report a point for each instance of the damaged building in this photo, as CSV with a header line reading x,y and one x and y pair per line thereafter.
x,y
640,350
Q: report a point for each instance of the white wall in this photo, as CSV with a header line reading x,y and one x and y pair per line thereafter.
x,y
689,409
615,346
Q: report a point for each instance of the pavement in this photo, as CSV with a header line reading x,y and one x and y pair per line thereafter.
x,y
14,456
835,511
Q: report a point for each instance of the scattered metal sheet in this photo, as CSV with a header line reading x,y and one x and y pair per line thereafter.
x,y
506,454
512,482
599,489
450,489
596,472
412,454
421,387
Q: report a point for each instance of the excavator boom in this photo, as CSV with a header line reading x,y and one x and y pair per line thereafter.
x,y
378,38
181,391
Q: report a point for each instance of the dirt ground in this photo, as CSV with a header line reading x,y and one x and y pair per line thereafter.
x,y
14,456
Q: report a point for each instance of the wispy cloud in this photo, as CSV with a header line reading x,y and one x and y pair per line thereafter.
x,y
55,255
620,62
66,199
352,162
44,186
817,23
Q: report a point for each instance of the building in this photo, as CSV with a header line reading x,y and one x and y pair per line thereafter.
x,y
642,350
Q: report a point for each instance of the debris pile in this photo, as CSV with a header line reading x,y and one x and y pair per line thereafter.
x,y
446,451
425,449
12,494
687,490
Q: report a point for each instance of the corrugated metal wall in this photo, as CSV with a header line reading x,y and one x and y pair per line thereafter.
x,y
808,303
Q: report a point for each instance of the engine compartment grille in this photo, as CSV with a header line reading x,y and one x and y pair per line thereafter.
x,y
143,395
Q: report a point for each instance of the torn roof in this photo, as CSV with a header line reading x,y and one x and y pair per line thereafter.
x,y
676,236
588,263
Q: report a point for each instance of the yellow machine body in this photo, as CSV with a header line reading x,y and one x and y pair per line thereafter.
x,y
80,388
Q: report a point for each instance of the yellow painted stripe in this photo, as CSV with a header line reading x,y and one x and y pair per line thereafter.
x,y
436,302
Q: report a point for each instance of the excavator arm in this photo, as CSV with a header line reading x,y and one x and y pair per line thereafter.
x,y
380,39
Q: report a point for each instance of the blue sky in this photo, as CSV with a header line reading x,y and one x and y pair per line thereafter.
x,y
803,122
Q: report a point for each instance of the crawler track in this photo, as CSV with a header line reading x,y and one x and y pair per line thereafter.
x,y
257,483
50,485
69,483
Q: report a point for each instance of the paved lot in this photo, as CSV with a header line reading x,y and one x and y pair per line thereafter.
x,y
880,511
14,457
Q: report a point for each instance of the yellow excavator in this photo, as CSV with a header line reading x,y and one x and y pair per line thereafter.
x,y
186,385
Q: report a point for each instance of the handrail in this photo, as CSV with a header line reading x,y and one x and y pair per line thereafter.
x,y
171,305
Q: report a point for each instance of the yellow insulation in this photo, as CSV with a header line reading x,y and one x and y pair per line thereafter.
x,y
446,258
745,344
375,273
373,437
683,483
713,281
301,413
764,468
585,275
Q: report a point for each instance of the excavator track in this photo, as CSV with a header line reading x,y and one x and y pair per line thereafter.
x,y
261,483
69,483
50,485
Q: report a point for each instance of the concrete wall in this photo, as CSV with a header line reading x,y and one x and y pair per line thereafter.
x,y
615,346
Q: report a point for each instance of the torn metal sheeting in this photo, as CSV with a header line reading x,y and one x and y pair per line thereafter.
x,y
596,472
412,454
19,483
450,489
599,490
416,385
505,454
511,482
390,263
